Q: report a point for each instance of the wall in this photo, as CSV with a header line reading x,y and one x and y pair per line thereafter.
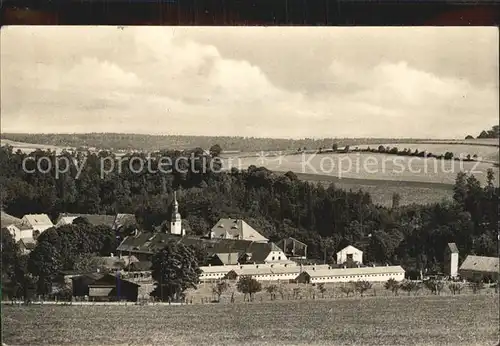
x,y
367,277
342,255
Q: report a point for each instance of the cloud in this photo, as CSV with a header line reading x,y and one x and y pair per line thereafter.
x,y
144,80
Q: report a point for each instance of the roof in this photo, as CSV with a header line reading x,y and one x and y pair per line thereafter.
x,y
38,219
292,240
140,266
7,220
93,219
151,242
228,268
356,271
350,248
122,220
452,247
264,270
481,264
28,243
228,258
236,229
23,226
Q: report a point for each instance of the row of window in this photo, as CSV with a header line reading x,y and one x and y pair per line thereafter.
x,y
354,276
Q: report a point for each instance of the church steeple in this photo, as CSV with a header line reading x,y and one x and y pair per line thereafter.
x,y
176,221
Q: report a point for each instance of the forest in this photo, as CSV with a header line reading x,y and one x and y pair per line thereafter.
x,y
277,205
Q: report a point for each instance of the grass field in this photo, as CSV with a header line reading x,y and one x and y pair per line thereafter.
x,y
430,320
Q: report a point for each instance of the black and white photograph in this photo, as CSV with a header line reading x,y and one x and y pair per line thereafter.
x,y
174,185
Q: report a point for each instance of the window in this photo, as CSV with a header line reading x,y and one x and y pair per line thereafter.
x,y
273,258
279,258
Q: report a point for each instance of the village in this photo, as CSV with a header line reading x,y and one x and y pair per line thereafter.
x,y
235,250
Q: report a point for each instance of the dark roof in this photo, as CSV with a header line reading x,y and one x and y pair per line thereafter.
x,y
149,243
93,219
452,247
292,240
140,266
28,243
236,229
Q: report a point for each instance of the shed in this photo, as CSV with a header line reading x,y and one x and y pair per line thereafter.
x,y
480,268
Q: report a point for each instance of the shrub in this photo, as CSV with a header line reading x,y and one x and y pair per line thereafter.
x,y
392,285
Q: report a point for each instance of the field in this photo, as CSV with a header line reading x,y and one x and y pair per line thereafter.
x,y
430,320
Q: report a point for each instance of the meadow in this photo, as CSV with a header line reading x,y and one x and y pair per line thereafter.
x,y
416,320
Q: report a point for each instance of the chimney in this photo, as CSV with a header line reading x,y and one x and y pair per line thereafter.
x,y
112,255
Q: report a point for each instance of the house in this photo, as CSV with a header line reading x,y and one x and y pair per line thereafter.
x,y
235,229
38,222
350,254
93,219
7,219
213,273
21,231
480,268
451,260
336,275
293,248
264,273
104,287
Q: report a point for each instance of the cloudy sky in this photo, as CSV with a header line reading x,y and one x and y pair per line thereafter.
x,y
255,81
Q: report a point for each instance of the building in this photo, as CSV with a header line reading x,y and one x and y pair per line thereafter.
x,y
104,287
350,254
337,275
21,231
176,226
282,273
213,273
479,268
236,229
26,245
38,222
451,260
93,219
293,248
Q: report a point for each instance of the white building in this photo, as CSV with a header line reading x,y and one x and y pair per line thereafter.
x,y
176,222
350,253
38,222
372,274
20,231
451,260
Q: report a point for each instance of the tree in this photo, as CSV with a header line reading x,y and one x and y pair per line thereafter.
x,y
392,285
476,286
215,150
322,289
408,286
396,199
455,287
219,288
335,147
435,286
45,263
248,286
469,137
272,289
174,269
362,286
347,289
87,263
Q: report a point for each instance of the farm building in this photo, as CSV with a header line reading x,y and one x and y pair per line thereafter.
x,y
93,219
235,229
264,273
38,222
480,268
104,287
293,248
26,245
350,254
210,273
451,260
144,244
373,274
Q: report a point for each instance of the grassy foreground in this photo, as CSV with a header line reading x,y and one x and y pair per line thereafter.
x,y
426,320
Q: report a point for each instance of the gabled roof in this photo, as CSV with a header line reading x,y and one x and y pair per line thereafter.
x,y
122,220
481,264
236,229
228,258
28,243
452,247
38,219
7,220
350,248
93,219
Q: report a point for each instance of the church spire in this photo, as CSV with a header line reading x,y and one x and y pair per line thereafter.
x,y
176,222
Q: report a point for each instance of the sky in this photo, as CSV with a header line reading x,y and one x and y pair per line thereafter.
x,y
281,82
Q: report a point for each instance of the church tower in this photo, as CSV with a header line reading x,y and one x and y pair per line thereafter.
x,y
176,222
